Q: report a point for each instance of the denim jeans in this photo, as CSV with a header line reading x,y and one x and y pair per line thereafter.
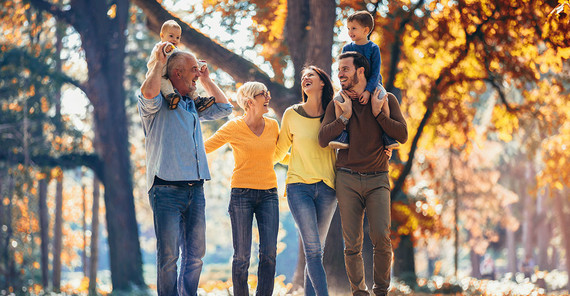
x,y
312,207
244,204
180,227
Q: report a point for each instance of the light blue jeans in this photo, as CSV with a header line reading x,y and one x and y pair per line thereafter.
x,y
244,204
179,225
312,207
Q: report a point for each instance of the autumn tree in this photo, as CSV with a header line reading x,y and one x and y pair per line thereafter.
x,y
105,54
441,54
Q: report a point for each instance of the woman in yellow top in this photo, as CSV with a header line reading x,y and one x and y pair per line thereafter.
x,y
254,186
311,174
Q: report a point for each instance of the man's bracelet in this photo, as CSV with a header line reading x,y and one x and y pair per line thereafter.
x,y
343,119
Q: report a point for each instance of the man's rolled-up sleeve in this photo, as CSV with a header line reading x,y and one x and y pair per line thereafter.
x,y
149,107
216,111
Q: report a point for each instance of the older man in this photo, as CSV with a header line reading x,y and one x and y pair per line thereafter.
x,y
362,170
176,168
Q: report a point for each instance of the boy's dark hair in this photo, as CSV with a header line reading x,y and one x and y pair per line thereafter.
x,y
358,60
364,18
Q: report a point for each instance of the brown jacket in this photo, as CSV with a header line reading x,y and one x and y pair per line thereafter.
x,y
365,153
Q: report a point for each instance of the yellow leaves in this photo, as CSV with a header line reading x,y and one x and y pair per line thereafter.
x,y
19,258
84,285
112,12
278,25
31,91
505,123
556,159
557,25
211,286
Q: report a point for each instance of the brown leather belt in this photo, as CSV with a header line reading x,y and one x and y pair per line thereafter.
x,y
347,170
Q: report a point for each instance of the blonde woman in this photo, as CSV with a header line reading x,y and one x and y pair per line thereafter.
x,y
252,138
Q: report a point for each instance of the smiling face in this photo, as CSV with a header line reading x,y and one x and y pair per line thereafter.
x,y
260,102
311,82
183,72
347,73
171,34
357,32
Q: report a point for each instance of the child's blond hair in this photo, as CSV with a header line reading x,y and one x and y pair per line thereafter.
x,y
170,24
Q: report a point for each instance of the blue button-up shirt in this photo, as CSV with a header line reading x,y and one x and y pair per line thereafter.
x,y
173,139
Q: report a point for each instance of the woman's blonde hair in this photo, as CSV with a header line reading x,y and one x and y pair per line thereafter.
x,y
247,91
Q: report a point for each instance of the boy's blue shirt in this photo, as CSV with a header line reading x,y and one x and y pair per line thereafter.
x,y
372,53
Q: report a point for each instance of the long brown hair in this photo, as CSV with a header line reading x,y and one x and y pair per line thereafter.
x,y
328,90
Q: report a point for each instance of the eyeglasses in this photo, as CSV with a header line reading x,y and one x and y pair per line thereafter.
x,y
264,93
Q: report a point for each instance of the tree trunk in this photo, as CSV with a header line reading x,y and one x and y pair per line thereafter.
x,y
10,274
58,215
4,222
528,219
44,231
320,34
511,252
475,264
84,214
298,15
560,204
404,262
542,232
298,281
455,212
58,234
94,239
554,259
333,259
103,41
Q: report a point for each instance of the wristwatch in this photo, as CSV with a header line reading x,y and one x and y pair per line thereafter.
x,y
343,119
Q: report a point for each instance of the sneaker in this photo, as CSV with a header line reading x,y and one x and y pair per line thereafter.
x,y
341,142
173,99
203,103
389,142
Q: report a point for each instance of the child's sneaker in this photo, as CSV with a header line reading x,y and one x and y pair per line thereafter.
x,y
173,99
341,142
389,142
203,103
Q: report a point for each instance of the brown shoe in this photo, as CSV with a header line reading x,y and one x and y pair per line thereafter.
x,y
173,99
203,103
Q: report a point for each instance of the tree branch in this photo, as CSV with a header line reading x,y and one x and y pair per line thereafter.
x,y
408,166
396,50
22,58
440,85
53,10
69,161
502,95
236,66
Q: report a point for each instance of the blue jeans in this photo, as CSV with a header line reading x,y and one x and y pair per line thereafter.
x,y
179,225
312,207
244,204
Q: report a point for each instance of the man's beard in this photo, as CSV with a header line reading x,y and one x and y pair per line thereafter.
x,y
191,89
352,83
